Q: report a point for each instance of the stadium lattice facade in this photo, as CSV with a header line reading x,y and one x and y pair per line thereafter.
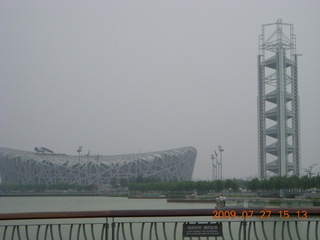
x,y
23,167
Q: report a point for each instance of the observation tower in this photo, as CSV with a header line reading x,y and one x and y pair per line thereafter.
x,y
278,101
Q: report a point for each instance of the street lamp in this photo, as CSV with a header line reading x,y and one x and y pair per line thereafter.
x,y
220,150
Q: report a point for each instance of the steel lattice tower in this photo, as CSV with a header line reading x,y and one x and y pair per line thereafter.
x,y
278,101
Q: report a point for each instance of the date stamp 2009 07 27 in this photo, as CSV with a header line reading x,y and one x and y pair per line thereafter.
x,y
264,214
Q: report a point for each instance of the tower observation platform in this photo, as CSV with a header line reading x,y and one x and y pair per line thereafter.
x,y
278,101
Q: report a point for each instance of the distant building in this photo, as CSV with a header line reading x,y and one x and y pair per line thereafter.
x,y
23,167
278,101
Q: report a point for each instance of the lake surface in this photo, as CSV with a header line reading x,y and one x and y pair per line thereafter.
x,y
60,204
102,203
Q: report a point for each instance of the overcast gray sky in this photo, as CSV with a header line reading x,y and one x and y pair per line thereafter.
x,y
126,76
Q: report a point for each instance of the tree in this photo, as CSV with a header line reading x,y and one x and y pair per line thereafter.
x,y
253,184
114,182
123,183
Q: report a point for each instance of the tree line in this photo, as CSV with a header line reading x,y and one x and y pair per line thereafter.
x,y
201,187
140,184
291,183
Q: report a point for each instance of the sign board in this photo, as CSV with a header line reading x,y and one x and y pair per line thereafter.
x,y
202,230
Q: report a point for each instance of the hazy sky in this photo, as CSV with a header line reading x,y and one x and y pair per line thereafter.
x,y
126,76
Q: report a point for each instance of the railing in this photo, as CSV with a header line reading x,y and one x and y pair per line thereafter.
x,y
226,223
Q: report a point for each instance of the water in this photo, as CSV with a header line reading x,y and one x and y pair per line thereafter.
x,y
62,204
96,203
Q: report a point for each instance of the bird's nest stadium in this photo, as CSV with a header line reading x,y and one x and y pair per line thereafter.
x,y
46,167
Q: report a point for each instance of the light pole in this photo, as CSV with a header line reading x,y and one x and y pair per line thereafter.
x,y
217,168
79,151
213,166
220,150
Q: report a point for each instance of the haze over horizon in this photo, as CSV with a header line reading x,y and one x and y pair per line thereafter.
x,y
121,77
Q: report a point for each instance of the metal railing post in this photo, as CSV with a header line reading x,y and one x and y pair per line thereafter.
x,y
107,229
113,225
244,223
